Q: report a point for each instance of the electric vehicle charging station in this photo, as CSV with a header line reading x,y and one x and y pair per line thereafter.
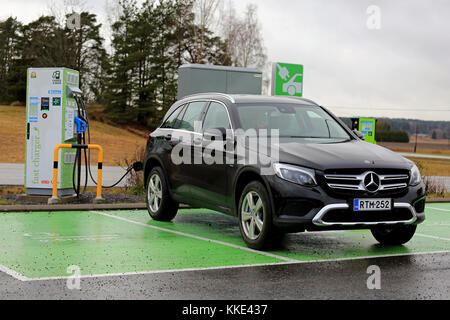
x,y
367,127
51,112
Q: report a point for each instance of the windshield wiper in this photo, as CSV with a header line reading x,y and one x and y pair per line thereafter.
x,y
312,137
304,137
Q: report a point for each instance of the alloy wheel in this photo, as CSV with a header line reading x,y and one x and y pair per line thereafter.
x,y
154,193
252,215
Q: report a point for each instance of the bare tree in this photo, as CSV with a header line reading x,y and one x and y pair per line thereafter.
x,y
243,36
60,9
205,12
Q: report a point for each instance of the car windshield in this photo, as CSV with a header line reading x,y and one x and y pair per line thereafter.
x,y
292,121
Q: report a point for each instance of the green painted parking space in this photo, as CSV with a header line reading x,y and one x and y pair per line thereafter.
x,y
439,223
43,244
307,246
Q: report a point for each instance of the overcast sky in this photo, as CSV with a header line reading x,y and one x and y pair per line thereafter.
x,y
399,70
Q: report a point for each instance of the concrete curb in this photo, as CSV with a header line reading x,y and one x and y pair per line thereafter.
x,y
111,206
76,207
72,207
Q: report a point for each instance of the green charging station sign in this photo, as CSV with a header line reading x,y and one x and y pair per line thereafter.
x,y
287,79
367,128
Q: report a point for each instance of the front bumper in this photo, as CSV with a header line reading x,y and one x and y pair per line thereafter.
x,y
299,208
318,221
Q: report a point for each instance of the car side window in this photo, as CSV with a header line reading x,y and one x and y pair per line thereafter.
x,y
193,113
216,117
177,122
171,120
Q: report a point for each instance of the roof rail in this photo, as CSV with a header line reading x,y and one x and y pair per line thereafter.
x,y
211,93
304,99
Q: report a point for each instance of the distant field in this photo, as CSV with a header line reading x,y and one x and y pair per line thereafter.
x,y
427,146
429,167
432,167
118,144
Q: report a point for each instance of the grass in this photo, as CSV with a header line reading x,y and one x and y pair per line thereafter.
x,y
432,167
118,143
5,201
438,196
424,146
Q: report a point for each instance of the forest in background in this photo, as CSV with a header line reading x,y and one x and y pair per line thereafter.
x,y
136,78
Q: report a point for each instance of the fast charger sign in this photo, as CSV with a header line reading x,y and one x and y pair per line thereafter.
x,y
287,79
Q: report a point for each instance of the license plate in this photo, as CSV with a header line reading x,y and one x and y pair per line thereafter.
x,y
372,204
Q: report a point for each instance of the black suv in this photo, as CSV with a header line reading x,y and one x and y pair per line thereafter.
x,y
312,172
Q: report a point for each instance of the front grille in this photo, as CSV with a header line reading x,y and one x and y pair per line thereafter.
x,y
359,180
348,216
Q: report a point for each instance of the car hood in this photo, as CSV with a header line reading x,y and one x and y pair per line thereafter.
x,y
322,156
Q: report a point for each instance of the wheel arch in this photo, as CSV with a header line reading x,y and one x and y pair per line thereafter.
x,y
151,163
244,177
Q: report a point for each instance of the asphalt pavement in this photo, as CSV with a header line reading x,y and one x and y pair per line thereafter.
x,y
405,277
201,256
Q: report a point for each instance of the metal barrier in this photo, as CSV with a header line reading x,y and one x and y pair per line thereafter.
x,y
54,197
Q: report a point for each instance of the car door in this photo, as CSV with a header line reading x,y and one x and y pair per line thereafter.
x,y
182,156
166,142
211,177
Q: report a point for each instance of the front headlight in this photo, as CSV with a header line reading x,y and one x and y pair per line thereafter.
x,y
298,175
415,176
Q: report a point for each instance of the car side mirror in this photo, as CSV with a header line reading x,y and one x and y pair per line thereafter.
x,y
359,135
215,134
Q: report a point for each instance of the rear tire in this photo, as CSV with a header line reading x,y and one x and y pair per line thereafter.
x,y
255,218
160,205
394,235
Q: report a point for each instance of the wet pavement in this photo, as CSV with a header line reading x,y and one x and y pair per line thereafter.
x,y
404,277
125,255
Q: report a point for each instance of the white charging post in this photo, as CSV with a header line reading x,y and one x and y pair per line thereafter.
x,y
50,113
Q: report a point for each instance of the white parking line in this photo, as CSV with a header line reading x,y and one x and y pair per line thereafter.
x,y
13,273
287,261
431,237
20,277
438,209
267,254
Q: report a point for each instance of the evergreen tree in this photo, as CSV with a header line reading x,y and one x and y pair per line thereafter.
x,y
150,43
10,33
45,43
118,95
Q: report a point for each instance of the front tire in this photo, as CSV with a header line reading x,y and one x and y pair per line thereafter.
x,y
160,205
255,217
394,235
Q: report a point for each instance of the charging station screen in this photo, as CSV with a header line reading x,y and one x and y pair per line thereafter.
x,y
45,104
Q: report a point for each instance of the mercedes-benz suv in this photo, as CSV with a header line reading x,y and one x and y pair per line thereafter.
x,y
279,164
